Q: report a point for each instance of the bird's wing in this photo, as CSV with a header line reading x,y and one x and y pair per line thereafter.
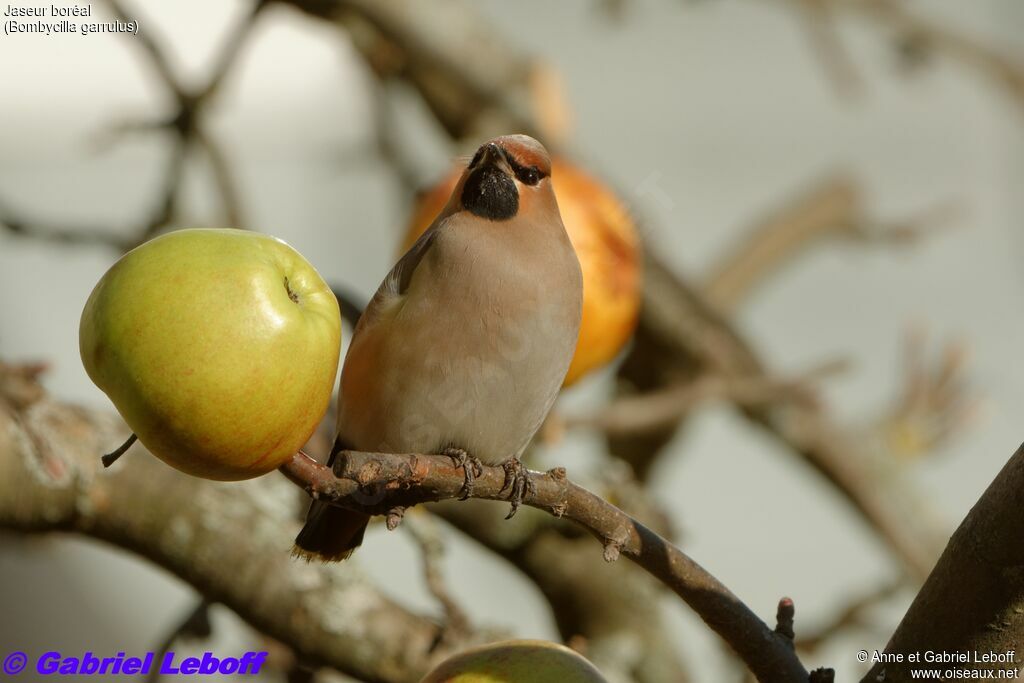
x,y
397,281
396,284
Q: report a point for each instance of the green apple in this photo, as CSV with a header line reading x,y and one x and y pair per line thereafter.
x,y
516,661
218,347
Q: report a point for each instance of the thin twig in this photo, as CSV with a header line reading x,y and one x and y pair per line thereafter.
x,y
784,616
832,208
934,403
895,15
425,532
824,38
185,124
849,616
160,215
224,178
191,102
652,411
468,76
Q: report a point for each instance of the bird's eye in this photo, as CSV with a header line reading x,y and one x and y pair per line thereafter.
x,y
528,176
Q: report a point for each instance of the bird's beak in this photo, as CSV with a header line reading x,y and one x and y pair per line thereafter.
x,y
494,155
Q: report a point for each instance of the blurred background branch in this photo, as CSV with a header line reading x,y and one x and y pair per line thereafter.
x,y
916,39
52,481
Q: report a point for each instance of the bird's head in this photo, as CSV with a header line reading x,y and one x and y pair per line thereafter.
x,y
508,176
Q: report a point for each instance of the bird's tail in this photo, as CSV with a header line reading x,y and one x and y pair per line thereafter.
x,y
331,533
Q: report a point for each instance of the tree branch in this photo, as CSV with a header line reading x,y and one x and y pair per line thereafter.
x,y
375,482
851,615
665,408
973,601
832,205
425,531
469,77
162,212
1004,71
925,36
823,37
681,335
832,208
610,608
51,480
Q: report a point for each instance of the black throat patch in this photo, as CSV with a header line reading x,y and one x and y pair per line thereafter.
x,y
491,194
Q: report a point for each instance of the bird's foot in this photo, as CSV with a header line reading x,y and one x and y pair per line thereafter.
x,y
519,482
471,467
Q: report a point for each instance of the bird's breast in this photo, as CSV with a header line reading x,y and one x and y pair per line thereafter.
x,y
472,357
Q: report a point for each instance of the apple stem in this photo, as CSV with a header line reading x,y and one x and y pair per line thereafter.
x,y
110,458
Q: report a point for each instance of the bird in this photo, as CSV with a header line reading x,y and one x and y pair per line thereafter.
x,y
464,346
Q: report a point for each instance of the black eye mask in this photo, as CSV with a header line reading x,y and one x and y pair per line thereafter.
x,y
491,194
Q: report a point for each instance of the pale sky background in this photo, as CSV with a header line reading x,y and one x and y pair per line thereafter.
x,y
722,101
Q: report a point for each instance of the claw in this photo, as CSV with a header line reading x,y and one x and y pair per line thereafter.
x,y
472,467
519,482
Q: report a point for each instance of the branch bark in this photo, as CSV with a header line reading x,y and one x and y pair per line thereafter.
x,y
229,541
832,206
51,480
376,482
611,608
973,601
471,78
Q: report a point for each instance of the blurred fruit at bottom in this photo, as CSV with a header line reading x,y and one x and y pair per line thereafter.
x,y
516,661
607,245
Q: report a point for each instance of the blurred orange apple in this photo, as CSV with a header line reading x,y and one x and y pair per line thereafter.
x,y
607,246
